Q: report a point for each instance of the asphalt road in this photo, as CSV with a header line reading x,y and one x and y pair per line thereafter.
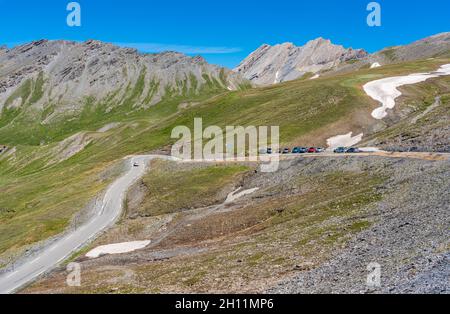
x,y
105,215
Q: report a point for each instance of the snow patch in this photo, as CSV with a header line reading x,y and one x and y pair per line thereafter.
x,y
277,78
316,76
385,90
370,149
375,65
345,140
236,194
117,248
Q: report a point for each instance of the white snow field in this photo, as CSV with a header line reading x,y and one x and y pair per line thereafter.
x,y
117,248
345,140
385,90
236,194
375,65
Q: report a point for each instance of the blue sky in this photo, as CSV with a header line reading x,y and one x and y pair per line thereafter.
x,y
224,32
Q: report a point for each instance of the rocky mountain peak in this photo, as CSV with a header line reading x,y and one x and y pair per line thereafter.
x,y
318,41
283,62
70,72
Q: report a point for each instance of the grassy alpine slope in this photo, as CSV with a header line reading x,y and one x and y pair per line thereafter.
x,y
43,186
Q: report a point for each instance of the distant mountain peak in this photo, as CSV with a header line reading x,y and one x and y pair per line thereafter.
x,y
283,62
319,40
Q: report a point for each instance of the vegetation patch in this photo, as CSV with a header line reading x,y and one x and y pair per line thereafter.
x,y
171,190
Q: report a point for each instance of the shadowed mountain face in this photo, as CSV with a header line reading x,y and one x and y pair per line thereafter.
x,y
285,62
58,77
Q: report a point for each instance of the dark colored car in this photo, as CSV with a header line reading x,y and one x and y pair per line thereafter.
x,y
303,150
269,150
353,150
312,150
296,150
286,151
135,164
340,150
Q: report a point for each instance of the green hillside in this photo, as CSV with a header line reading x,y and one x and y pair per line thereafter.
x,y
42,190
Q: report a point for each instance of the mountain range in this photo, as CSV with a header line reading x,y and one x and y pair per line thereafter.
x,y
285,62
274,64
58,77
76,119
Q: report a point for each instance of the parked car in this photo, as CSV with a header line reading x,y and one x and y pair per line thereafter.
x,y
312,150
353,150
286,151
340,150
135,164
320,149
296,150
303,150
269,150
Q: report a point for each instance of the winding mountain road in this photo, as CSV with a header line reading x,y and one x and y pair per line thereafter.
x,y
110,209
105,216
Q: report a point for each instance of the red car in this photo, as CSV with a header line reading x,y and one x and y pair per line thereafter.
x,y
312,150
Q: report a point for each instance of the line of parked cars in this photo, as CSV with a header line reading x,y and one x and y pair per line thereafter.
x,y
346,150
296,150
311,150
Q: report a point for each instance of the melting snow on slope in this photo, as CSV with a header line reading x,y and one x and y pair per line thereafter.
x,y
375,65
385,90
236,194
277,77
345,140
117,248
370,149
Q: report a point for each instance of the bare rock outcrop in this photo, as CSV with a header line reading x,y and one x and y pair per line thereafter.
x,y
274,64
